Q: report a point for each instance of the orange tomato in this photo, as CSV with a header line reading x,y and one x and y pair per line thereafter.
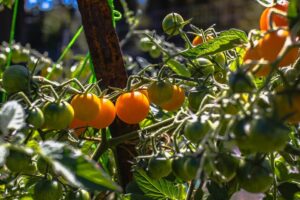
x,y
106,115
176,101
278,20
252,54
86,106
78,126
271,44
199,39
132,107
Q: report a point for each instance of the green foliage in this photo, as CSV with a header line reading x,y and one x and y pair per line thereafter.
x,y
158,189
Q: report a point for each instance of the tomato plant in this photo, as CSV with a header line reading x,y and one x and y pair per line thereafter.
x,y
203,118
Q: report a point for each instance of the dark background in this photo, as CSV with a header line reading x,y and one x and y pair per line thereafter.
x,y
51,31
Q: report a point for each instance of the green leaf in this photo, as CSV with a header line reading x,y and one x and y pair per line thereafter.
x,y
178,68
158,189
225,41
12,117
76,168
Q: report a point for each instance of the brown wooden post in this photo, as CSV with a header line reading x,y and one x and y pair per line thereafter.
x,y
109,67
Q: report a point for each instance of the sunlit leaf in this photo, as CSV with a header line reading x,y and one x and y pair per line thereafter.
x,y
76,168
158,189
225,41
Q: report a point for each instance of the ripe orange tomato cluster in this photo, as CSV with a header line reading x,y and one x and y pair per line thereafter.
x,y
92,111
131,107
268,49
273,41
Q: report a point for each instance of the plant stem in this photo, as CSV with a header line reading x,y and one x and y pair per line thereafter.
x,y
12,31
66,50
191,190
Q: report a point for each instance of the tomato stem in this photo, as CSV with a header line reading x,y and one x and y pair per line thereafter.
x,y
66,50
12,32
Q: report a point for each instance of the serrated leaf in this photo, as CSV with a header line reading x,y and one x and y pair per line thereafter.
x,y
158,189
178,68
12,117
225,41
76,168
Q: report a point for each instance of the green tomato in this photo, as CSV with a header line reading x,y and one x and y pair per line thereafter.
x,y
201,67
241,82
47,190
160,92
220,59
255,177
18,161
145,44
172,23
35,117
159,167
3,60
58,115
155,52
226,166
191,166
16,78
178,168
195,98
267,135
195,129
78,195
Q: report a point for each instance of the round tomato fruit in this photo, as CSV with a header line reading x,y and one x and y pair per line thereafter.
x,y
159,167
201,67
271,44
58,115
35,117
78,195
226,166
16,78
268,135
160,92
132,107
172,23
86,106
18,161
155,52
47,190
278,20
255,177
106,115
191,166
176,101
195,129
146,44
178,168
195,98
